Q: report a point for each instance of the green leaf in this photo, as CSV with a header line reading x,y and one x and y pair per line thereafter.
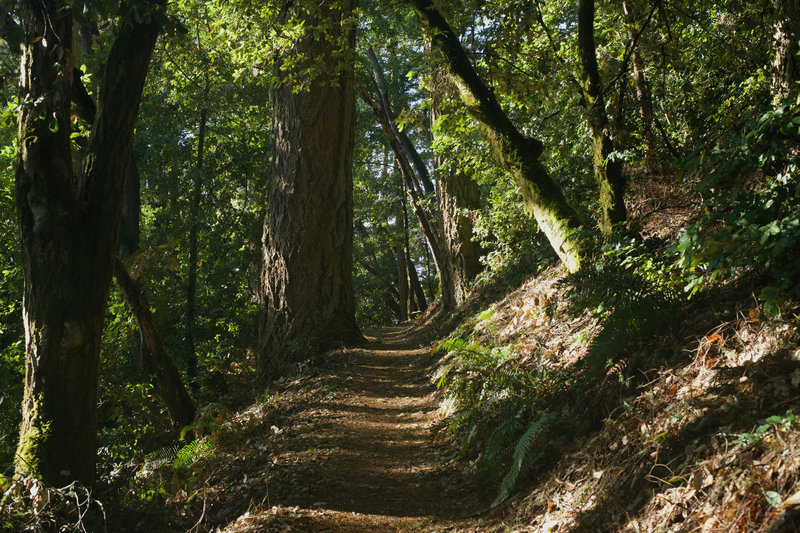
x,y
773,498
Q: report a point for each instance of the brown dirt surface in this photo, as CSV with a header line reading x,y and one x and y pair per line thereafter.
x,y
354,448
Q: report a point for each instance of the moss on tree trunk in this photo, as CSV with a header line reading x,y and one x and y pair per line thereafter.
x,y
518,155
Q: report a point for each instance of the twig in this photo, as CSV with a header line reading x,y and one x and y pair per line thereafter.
x,y
196,527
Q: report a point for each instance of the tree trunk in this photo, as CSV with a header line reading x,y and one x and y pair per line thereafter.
x,y
459,198
402,281
415,288
518,155
607,173
403,259
407,173
786,64
402,139
308,303
643,94
69,227
128,241
170,385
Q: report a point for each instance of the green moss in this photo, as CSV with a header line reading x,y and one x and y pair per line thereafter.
x,y
35,433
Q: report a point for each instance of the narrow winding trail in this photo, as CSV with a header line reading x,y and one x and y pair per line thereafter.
x,y
362,453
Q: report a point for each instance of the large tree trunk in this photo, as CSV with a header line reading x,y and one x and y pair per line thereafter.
x,y
459,198
786,64
170,384
308,302
518,155
69,227
128,241
607,173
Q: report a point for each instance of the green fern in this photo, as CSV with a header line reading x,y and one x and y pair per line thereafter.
x,y
630,320
498,447
177,457
522,458
160,458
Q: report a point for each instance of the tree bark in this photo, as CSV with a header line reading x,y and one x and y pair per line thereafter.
x,y
308,304
518,155
459,198
786,63
69,226
643,94
170,384
128,241
607,173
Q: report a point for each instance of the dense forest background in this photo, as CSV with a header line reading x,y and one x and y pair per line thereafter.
x,y
638,160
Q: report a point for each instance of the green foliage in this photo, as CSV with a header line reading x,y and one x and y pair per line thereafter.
x,y
751,222
522,457
778,423
178,457
12,334
494,398
631,295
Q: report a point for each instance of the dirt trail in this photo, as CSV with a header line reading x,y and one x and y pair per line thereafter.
x,y
361,455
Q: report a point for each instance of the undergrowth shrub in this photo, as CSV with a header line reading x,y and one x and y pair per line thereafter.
x,y
751,220
631,293
27,504
495,404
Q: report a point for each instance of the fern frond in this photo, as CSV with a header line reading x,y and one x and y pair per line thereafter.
x,y
159,458
521,458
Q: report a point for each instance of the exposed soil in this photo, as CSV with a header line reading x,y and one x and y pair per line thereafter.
x,y
354,448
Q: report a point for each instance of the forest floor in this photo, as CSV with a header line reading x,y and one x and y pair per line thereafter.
x,y
698,433
356,447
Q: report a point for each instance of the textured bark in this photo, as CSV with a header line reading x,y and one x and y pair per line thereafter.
x,y
170,385
459,198
69,226
308,303
643,94
607,174
786,63
518,155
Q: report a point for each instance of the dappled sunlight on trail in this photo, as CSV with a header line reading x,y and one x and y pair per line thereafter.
x,y
362,453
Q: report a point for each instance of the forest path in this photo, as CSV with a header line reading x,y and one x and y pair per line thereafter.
x,y
361,453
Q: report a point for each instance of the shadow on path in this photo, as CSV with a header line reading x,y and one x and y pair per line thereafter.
x,y
364,457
